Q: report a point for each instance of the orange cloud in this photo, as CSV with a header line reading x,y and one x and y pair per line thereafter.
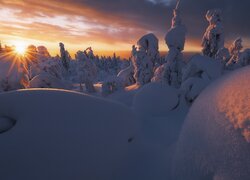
x,y
78,25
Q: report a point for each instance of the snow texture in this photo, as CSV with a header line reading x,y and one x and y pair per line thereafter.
x,y
214,142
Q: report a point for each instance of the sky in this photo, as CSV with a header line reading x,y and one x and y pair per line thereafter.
x,y
113,25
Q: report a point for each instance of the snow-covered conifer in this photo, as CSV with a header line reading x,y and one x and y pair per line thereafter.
x,y
235,53
43,52
65,57
144,58
143,67
213,38
223,55
170,72
86,71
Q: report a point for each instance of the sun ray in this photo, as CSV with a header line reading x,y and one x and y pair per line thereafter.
x,y
20,48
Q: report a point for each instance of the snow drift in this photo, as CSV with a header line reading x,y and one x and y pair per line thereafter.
x,y
155,99
214,142
63,135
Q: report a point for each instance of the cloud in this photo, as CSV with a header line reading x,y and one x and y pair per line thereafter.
x,y
114,22
165,2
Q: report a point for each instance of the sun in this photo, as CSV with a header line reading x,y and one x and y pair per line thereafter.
x,y
20,48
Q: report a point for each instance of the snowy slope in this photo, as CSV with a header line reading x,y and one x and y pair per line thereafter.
x,y
63,135
161,115
214,142
155,99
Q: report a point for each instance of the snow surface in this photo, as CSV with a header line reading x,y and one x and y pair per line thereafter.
x,y
64,135
155,99
214,141
139,130
198,74
160,124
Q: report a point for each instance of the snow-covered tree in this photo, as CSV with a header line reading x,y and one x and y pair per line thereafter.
x,y
86,71
127,76
170,72
143,67
32,54
244,58
65,57
43,52
235,53
39,61
53,67
111,85
223,55
150,44
89,53
213,38
236,47
144,58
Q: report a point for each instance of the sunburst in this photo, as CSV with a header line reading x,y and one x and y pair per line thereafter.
x,y
20,48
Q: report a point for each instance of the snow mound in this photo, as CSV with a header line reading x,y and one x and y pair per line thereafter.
x,y
199,64
155,99
63,135
214,142
198,74
235,101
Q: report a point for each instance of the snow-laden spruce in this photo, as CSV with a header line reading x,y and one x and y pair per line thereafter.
x,y
223,55
213,39
171,72
144,58
65,57
86,69
235,53
215,139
